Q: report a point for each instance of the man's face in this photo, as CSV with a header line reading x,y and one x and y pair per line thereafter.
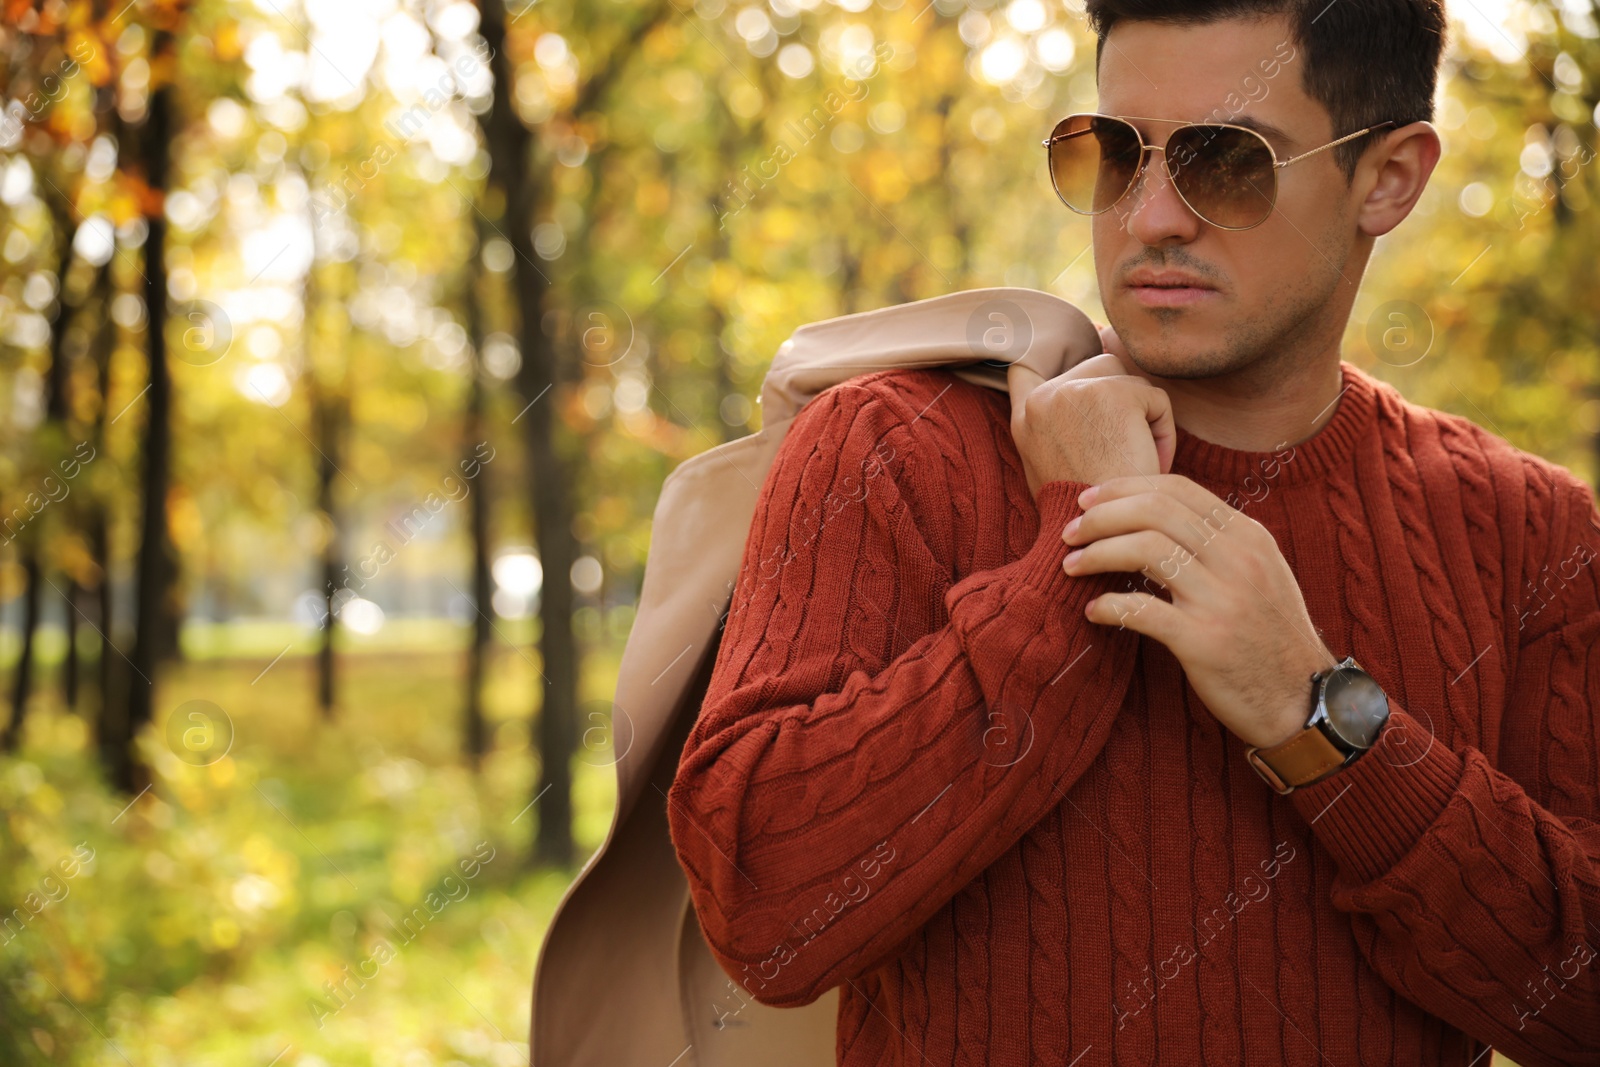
x,y
1266,291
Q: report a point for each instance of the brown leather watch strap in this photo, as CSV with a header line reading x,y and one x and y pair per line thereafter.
x,y
1304,758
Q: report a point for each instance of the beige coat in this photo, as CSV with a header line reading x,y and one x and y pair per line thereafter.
x,y
624,978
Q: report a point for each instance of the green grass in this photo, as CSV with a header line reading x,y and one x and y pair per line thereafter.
x,y
219,903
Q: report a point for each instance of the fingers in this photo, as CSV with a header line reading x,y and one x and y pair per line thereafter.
x,y
1020,381
1163,427
1144,511
1147,552
1142,613
1104,365
1155,405
1192,495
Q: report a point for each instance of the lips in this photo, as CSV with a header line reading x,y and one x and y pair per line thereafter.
x,y
1168,288
1165,279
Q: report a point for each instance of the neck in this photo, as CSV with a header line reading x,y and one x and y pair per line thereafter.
x,y
1260,407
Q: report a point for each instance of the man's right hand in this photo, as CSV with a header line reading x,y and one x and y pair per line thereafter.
x,y
1094,422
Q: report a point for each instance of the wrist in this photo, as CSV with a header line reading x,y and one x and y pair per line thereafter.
x,y
1297,708
1282,727
1349,709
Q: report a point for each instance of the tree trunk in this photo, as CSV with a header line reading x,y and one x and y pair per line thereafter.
x,y
111,722
474,729
328,420
69,662
558,646
327,417
953,198
729,147
509,146
155,567
475,741
543,372
849,278
55,416
22,681
110,718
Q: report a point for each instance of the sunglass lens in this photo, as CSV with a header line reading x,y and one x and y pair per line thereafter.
x,y
1093,161
1225,174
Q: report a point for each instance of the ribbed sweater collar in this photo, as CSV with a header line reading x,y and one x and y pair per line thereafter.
x,y
1327,451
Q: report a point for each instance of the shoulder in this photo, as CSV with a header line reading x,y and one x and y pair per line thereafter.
x,y
916,393
1542,504
929,412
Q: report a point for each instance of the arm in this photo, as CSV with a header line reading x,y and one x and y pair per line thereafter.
x,y
1475,892
867,746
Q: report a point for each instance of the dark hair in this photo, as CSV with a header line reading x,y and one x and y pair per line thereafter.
x,y
1366,61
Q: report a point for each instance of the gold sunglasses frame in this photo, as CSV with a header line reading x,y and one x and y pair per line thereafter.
x,y
1147,148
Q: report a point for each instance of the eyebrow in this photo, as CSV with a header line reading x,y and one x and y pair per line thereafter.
x,y
1265,129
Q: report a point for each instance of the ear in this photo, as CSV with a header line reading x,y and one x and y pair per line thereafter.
x,y
1393,174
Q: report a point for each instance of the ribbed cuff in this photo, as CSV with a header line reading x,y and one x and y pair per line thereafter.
x,y
1040,567
1372,813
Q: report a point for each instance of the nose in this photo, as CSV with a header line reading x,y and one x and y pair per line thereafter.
x,y
1153,213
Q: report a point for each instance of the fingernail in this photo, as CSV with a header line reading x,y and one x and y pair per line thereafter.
x,y
1072,557
1086,497
1072,528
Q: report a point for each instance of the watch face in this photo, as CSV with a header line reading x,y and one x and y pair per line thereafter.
x,y
1357,708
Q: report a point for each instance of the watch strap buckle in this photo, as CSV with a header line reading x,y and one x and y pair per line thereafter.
x,y
1267,774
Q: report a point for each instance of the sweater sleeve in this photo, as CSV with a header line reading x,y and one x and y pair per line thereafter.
x,y
871,740
1475,892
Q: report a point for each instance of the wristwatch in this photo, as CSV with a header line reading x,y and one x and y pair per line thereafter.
x,y
1348,711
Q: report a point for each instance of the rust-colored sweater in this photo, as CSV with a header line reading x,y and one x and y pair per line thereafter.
x,y
1012,836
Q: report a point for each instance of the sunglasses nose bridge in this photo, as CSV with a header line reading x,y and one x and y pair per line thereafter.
x,y
1144,189
1141,174
1139,189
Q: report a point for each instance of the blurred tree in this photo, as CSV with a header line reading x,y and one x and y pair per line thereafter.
x,y
22,681
97,512
472,284
525,186
474,733
326,389
50,81
330,414
154,610
510,146
53,434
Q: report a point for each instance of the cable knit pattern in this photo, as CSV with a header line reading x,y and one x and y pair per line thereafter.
x,y
1011,836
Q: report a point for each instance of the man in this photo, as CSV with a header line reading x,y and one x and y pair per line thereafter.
x,y
1043,744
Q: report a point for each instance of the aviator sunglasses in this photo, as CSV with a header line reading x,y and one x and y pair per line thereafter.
x,y
1226,174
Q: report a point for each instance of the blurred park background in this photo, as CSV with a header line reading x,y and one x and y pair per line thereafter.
x,y
344,346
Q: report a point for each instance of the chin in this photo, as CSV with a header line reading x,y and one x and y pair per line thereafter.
x,y
1179,369
1188,356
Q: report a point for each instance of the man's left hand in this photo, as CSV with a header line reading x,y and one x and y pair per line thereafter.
x,y
1237,621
